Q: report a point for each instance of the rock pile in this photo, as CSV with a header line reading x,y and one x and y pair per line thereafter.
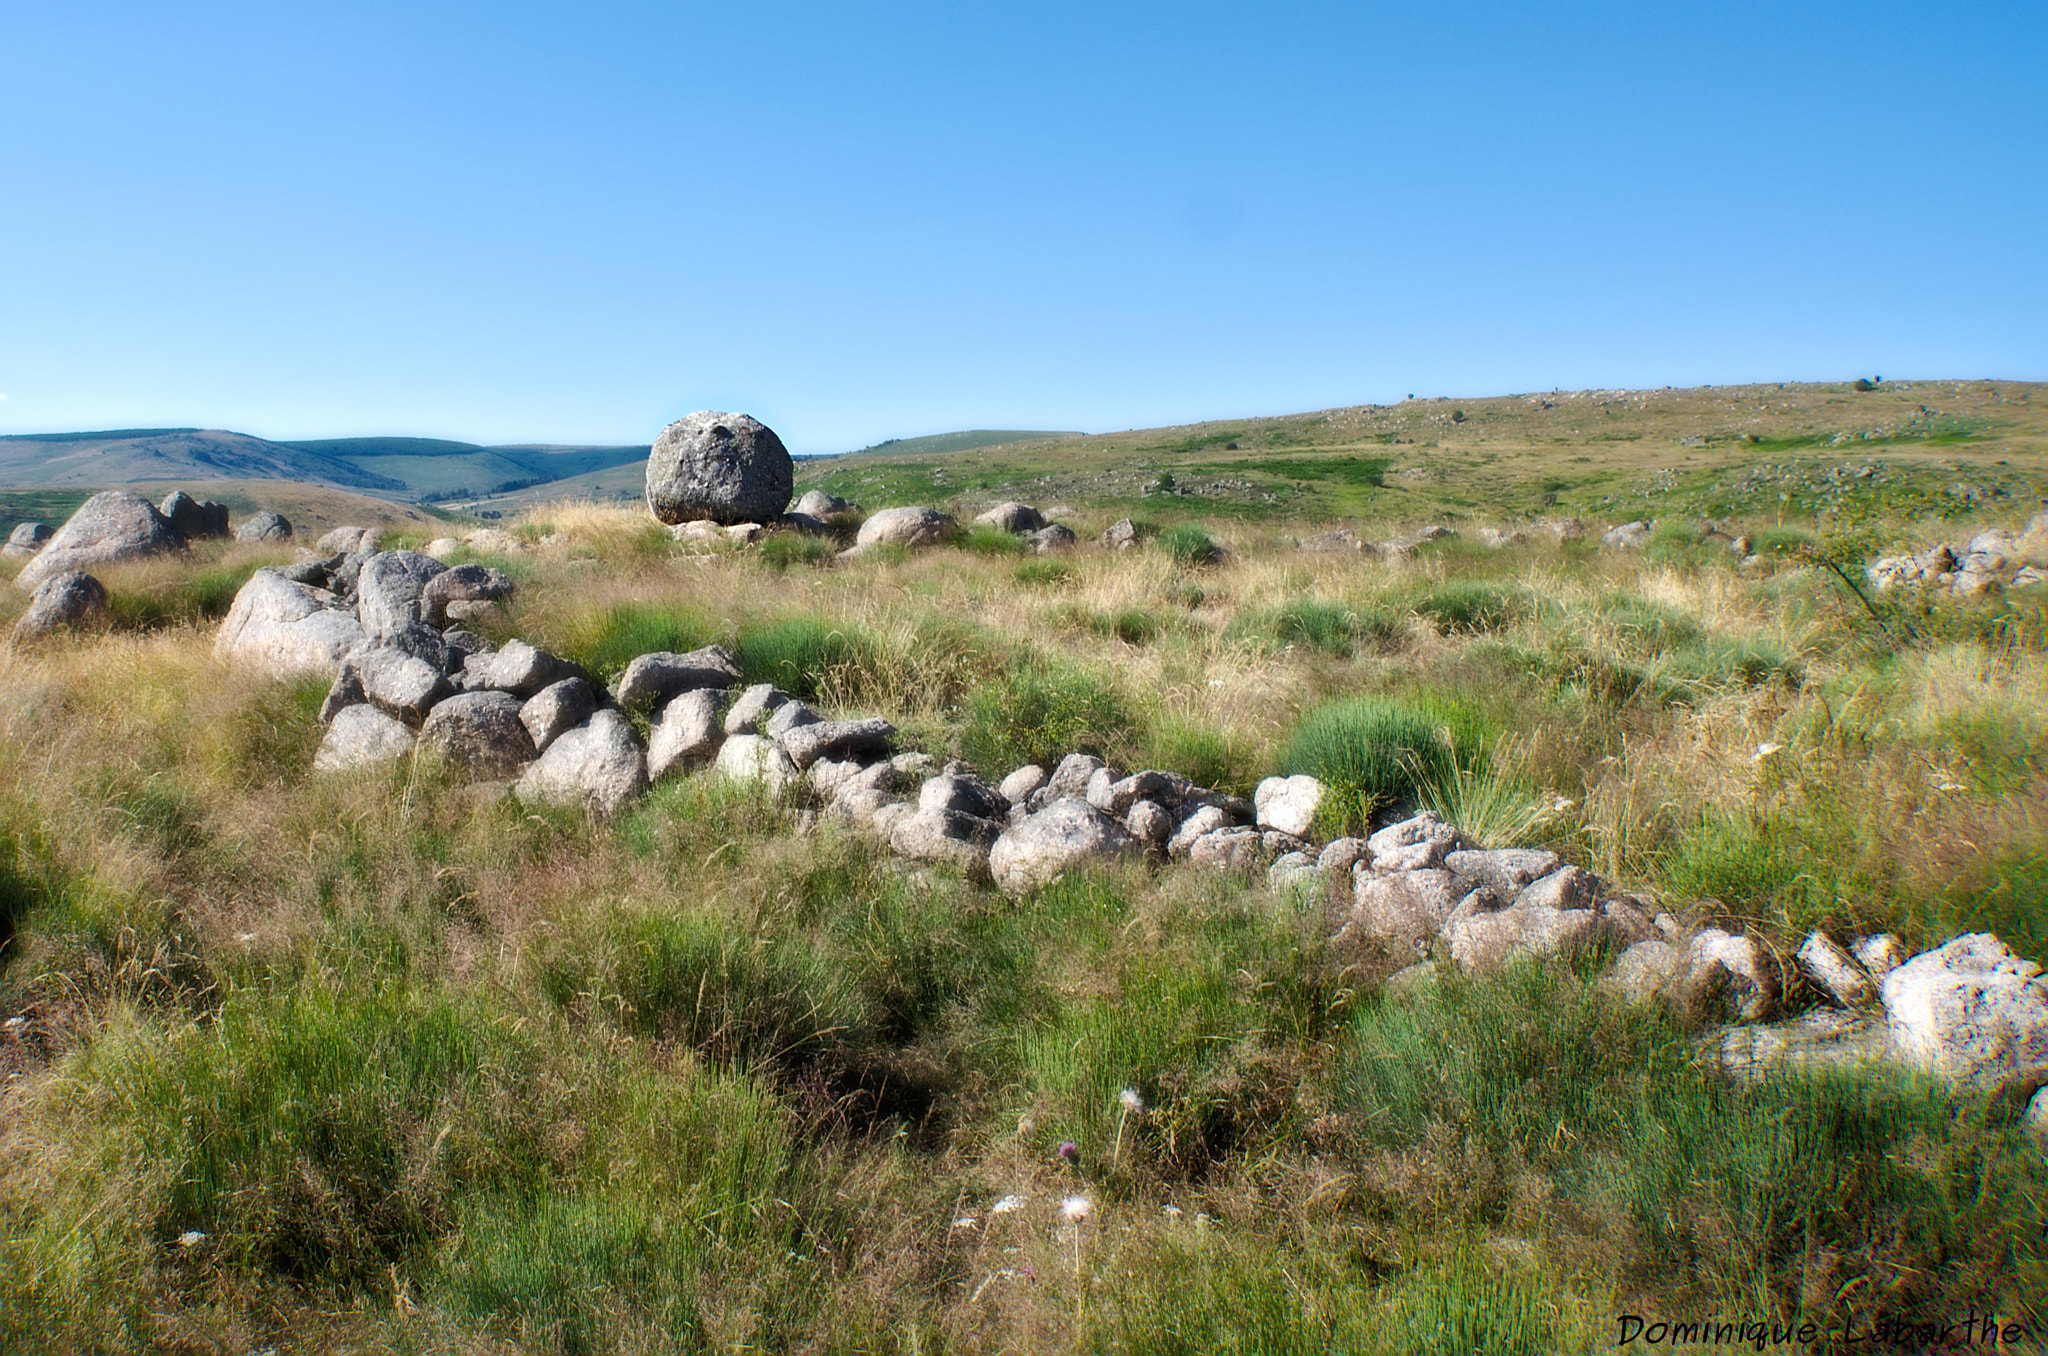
x,y
1990,561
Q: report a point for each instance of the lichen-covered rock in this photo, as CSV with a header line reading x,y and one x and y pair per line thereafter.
x,y
1482,941
1733,973
687,730
1066,834
1565,888
654,678
1150,823
728,468
524,670
1019,785
1120,535
1506,870
1970,1010
1414,844
286,628
64,601
753,706
479,733
963,793
25,540
1011,516
397,683
362,736
1406,907
1288,804
806,744
754,758
388,589
110,527
598,765
818,504
1833,971
1050,538
470,583
265,527
1241,851
909,527
556,709
945,836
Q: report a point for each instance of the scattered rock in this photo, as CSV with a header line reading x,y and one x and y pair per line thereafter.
x,y
556,709
1240,851
63,601
1066,834
395,682
362,736
1120,535
1052,537
751,706
1507,871
1969,1011
806,744
1733,974
754,758
730,468
1628,536
1150,823
1339,539
909,527
1288,804
1405,907
265,527
110,527
1413,844
388,591
945,836
1012,517
341,540
1824,1039
1834,972
193,520
461,584
963,793
818,504
598,765
654,678
1341,854
25,540
287,628
1486,941
1879,954
479,733
1019,785
687,730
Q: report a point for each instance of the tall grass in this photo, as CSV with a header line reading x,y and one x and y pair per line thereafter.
x,y
1375,752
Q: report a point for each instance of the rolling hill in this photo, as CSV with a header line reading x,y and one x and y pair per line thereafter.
x,y
118,457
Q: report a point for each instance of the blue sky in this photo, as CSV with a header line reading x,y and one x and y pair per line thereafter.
x,y
510,222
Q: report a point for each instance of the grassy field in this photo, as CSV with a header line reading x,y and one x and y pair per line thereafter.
x,y
385,1063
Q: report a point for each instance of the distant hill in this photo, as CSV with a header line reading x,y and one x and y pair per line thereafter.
x,y
436,469
964,441
133,456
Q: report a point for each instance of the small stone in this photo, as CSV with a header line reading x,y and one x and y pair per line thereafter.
x,y
909,527
362,736
1064,835
1414,844
1288,804
1341,854
1150,823
837,739
524,670
265,527
752,706
1879,954
654,678
1019,785
556,709
1240,851
687,730
1012,517
479,733
62,602
755,758
1834,972
1120,535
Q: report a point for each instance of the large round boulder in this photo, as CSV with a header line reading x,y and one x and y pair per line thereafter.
x,y
730,468
287,627
1066,834
480,733
265,527
73,598
914,526
111,526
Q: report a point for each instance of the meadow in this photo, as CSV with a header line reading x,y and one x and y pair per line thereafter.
x,y
386,1062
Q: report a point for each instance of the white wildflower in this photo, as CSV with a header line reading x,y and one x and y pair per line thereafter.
x,y
1076,1208
1131,1101
1764,751
1170,1211
191,1238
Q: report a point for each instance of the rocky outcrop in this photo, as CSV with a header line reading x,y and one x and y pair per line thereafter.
x,y
729,468
597,766
287,628
479,733
193,520
63,602
108,528
1970,1010
654,678
1011,516
265,527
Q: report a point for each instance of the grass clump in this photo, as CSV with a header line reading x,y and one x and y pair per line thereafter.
x,y
1038,713
802,654
782,551
1318,625
605,642
1042,573
1189,546
1472,606
986,539
1374,752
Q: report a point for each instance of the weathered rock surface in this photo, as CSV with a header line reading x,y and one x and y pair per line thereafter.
x,y
193,520
461,584
910,527
341,540
1288,804
398,683
110,527
1645,972
1833,971
388,589
1568,887
752,706
755,758
25,540
1200,822
1050,538
945,836
556,709
1150,823
1406,907
362,736
287,628
687,730
1970,1011
1011,516
963,793
1066,834
1070,776
524,670
1341,854
1241,851
62,602
598,765
1413,844
1019,785
265,527
479,733
730,468
1486,941
1627,536
1879,954
1506,871
1732,973
818,504
806,744
786,717
654,678
1120,535
1824,1039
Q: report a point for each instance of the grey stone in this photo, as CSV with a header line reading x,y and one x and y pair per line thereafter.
x,y
265,527
1731,972
818,504
1404,907
654,678
730,468
556,709
1627,536
388,589
963,793
1294,871
1971,1010
524,670
341,540
806,744
318,573
1628,922
787,716
1565,888
1202,820
63,601
479,733
1067,834
827,776
1288,804
362,736
858,805
912,527
110,527
687,730
466,643
286,628
914,766
1879,954
26,539
945,836
1413,844
462,584
1011,516
1150,823
2035,1119
1507,870
1120,535
885,818
1341,854
598,765
751,706
1050,538
1487,941
397,683
753,758
1019,785
1823,1040
1117,797
1645,972
1096,793
185,514
1240,851
1834,971
1071,777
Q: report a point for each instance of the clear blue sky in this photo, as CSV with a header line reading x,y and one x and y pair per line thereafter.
x,y
512,222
